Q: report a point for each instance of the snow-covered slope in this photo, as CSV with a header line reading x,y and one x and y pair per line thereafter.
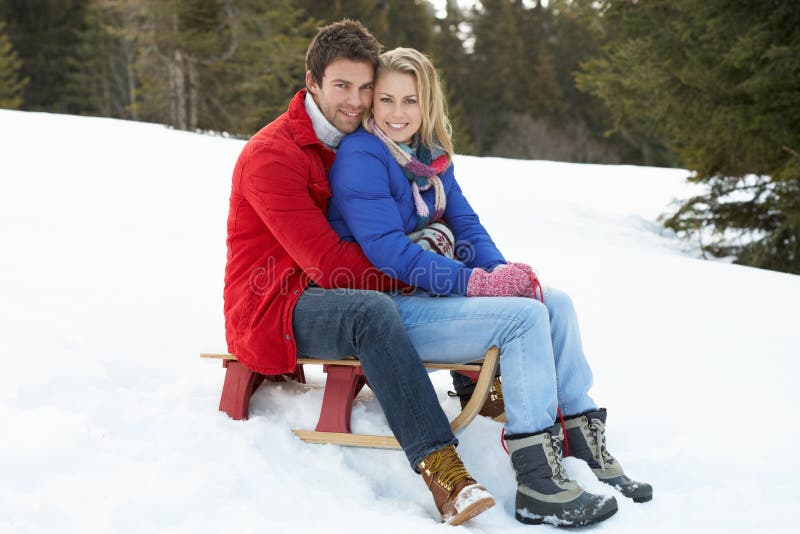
x,y
112,252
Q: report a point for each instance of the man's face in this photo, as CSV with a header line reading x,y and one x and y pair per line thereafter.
x,y
345,94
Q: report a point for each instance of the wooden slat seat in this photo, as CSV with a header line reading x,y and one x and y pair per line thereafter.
x,y
344,380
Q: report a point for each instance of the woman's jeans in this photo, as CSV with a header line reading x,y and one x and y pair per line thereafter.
x,y
541,358
542,361
334,323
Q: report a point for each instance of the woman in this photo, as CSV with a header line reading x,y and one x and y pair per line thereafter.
x,y
394,192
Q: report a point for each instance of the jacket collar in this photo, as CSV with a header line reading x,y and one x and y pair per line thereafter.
x,y
302,128
326,132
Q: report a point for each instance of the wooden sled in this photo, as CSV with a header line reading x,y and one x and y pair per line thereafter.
x,y
345,379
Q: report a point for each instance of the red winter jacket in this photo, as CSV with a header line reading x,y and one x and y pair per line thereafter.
x,y
279,239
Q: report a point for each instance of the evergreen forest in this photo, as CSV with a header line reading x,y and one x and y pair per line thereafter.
x,y
712,86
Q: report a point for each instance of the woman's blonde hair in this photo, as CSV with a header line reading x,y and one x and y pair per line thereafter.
x,y
435,129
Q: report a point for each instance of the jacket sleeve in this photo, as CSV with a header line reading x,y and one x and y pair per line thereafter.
x,y
473,244
361,193
276,186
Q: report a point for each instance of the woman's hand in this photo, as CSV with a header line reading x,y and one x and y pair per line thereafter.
x,y
538,292
511,280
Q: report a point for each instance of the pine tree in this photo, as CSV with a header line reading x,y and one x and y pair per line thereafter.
x,y
269,66
393,22
499,85
45,36
449,57
189,39
104,79
222,65
720,85
539,33
406,23
368,12
11,84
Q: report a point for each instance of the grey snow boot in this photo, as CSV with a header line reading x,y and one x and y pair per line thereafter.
x,y
545,494
586,439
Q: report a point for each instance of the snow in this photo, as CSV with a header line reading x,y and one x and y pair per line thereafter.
x,y
113,249
470,498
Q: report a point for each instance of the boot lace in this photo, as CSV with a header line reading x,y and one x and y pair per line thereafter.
x,y
558,468
496,391
600,452
446,467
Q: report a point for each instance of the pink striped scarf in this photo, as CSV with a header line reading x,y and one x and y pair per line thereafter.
x,y
422,176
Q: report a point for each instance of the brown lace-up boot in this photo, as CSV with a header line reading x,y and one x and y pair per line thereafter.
x,y
457,495
493,407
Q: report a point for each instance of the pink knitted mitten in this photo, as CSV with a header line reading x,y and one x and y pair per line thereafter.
x,y
524,266
537,286
504,281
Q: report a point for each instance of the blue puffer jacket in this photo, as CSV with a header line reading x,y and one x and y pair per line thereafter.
x,y
372,204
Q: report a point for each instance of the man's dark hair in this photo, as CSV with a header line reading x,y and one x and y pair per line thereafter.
x,y
345,39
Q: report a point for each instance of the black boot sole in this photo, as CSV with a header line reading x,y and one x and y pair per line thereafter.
x,y
575,524
643,498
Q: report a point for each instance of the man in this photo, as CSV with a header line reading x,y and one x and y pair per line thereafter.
x,y
285,261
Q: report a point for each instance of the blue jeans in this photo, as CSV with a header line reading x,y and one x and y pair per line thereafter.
x,y
334,323
542,361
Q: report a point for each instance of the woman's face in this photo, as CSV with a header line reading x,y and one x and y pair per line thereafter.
x,y
396,107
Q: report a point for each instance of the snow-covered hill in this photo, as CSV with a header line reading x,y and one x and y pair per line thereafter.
x,y
112,252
